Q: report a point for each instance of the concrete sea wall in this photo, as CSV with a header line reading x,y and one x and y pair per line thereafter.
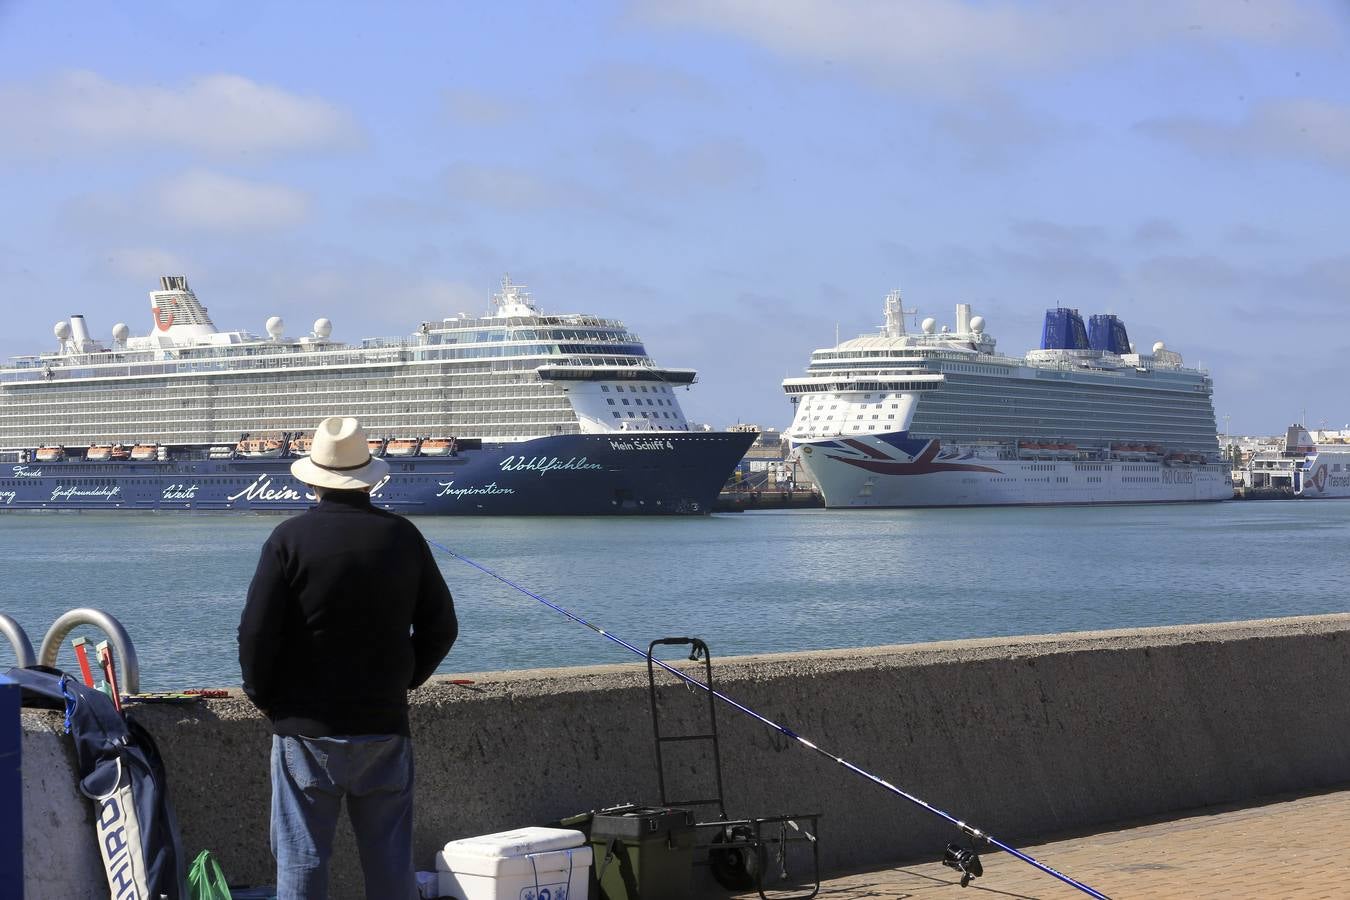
x,y
1020,736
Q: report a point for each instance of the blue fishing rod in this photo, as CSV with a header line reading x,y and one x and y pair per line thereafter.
x,y
959,858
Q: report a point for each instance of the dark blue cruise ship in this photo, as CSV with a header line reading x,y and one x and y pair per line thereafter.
x,y
512,413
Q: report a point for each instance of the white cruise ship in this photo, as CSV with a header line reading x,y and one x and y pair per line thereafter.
x,y
940,418
512,412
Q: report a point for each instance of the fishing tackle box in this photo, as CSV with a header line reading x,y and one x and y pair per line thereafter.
x,y
643,852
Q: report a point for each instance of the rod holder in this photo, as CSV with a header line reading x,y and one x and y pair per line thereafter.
x,y
128,665
18,639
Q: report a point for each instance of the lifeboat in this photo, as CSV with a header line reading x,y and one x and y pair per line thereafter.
x,y
143,452
301,446
437,447
401,447
50,454
102,452
376,446
266,448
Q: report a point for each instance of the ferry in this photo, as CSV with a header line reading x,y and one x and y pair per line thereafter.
x,y
512,412
1302,469
941,418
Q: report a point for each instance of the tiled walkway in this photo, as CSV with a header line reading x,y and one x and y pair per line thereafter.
x,y
1290,847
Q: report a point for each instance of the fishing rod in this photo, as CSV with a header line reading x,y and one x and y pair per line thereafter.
x,y
957,857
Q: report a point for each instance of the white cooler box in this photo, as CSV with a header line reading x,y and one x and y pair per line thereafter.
x,y
525,864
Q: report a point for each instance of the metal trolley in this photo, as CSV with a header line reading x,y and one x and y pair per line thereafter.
x,y
739,850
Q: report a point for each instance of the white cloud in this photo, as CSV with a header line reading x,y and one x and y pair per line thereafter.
x,y
514,188
1310,129
210,200
993,128
81,111
146,263
928,45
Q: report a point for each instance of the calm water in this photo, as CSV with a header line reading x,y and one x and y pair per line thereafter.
x,y
757,582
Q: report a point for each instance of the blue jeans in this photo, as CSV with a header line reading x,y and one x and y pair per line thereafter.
x,y
310,776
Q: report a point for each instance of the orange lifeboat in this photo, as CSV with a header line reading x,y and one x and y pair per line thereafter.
x,y
104,452
144,452
301,446
50,454
266,448
376,446
437,446
401,447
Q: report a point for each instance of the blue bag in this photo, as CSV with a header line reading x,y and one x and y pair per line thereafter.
x,y
121,771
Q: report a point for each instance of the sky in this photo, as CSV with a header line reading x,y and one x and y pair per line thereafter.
x,y
738,180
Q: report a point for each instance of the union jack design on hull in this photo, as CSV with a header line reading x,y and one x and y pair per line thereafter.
x,y
898,454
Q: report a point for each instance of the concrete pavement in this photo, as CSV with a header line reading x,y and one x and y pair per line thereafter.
x,y
1291,846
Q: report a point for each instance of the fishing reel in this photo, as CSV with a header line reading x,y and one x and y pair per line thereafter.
x,y
964,860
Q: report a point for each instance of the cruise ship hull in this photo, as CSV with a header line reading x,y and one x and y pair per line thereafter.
x,y
894,470
624,473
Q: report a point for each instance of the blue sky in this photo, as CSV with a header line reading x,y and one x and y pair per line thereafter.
x,y
733,179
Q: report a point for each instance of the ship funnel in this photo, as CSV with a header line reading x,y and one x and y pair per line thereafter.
x,y
1297,440
1063,330
895,315
176,310
79,334
1107,333
963,318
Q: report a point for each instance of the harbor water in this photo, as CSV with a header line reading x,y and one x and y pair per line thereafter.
x,y
747,583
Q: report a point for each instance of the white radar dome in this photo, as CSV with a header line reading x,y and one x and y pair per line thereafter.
x,y
275,326
61,330
323,327
1159,347
977,324
120,332
928,325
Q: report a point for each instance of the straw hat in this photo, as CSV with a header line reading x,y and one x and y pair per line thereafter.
x,y
339,458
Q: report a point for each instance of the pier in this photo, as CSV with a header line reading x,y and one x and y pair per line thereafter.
x,y
768,498
1027,738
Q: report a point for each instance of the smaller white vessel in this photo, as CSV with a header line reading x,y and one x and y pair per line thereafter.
x,y
1301,469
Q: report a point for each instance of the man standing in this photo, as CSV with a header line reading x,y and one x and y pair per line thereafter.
x,y
346,613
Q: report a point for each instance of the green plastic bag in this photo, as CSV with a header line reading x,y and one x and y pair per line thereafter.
x,y
205,879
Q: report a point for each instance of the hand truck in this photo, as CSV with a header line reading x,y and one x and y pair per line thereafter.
x,y
738,849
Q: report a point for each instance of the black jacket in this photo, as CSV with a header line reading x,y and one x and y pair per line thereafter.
x,y
346,613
